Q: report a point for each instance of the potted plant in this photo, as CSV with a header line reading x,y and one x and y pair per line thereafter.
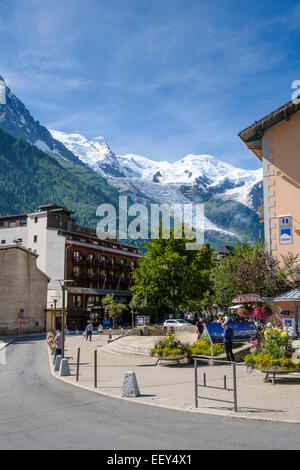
x,y
170,349
275,354
50,341
262,311
245,311
203,348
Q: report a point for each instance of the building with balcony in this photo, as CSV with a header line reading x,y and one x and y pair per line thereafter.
x,y
68,251
275,140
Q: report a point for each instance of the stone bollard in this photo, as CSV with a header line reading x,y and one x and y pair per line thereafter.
x,y
57,363
64,368
130,386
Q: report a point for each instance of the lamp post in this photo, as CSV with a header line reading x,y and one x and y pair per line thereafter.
x,y
55,300
63,283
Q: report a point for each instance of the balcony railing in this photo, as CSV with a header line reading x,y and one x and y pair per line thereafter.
x,y
79,260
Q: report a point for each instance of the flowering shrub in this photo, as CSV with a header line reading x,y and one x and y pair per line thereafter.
x,y
245,311
276,351
50,340
203,347
262,312
169,347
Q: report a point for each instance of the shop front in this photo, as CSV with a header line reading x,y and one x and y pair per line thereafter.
x,y
286,307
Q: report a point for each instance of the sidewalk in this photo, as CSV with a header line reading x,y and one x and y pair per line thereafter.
x,y
172,386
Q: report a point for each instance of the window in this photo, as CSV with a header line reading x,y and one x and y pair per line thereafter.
x,y
36,220
3,242
35,239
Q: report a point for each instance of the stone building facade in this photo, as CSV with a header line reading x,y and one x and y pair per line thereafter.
x,y
23,287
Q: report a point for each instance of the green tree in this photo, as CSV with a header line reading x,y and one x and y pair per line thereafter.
x,y
111,308
170,276
252,270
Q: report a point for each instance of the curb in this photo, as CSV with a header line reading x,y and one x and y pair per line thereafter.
x,y
192,410
4,345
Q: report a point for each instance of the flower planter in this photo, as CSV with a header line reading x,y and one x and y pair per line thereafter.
x,y
178,358
275,371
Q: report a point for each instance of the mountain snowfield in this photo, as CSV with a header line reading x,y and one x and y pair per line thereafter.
x,y
162,181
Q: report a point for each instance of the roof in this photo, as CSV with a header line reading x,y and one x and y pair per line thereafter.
x,y
4,218
21,247
53,207
91,232
252,135
292,296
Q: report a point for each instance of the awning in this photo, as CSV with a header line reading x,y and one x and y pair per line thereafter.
x,y
247,298
290,296
235,307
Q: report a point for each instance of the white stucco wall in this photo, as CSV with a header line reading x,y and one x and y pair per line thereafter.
x,y
12,233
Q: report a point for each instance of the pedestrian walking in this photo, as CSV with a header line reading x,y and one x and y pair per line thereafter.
x,y
89,331
228,335
199,328
58,344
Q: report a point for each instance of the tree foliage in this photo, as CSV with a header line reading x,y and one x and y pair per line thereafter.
x,y
170,276
251,270
111,308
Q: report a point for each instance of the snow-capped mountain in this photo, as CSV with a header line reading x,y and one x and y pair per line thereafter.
x,y
15,119
231,195
161,180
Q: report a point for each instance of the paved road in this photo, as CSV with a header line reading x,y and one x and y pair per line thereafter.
x,y
40,412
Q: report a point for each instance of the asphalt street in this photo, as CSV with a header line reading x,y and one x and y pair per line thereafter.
x,y
40,412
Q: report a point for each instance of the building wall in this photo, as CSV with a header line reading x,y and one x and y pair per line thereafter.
x,y
22,285
8,235
281,164
55,264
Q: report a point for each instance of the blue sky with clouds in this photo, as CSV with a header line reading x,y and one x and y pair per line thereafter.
x,y
160,78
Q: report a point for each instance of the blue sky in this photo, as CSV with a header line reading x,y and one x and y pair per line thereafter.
x,y
159,78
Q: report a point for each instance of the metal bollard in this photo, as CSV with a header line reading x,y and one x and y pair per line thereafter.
x,y
77,366
225,384
95,368
196,382
234,386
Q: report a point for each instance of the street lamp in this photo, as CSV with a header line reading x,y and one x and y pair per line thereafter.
x,y
55,300
63,283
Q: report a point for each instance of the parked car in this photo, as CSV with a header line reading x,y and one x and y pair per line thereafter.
x,y
176,322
